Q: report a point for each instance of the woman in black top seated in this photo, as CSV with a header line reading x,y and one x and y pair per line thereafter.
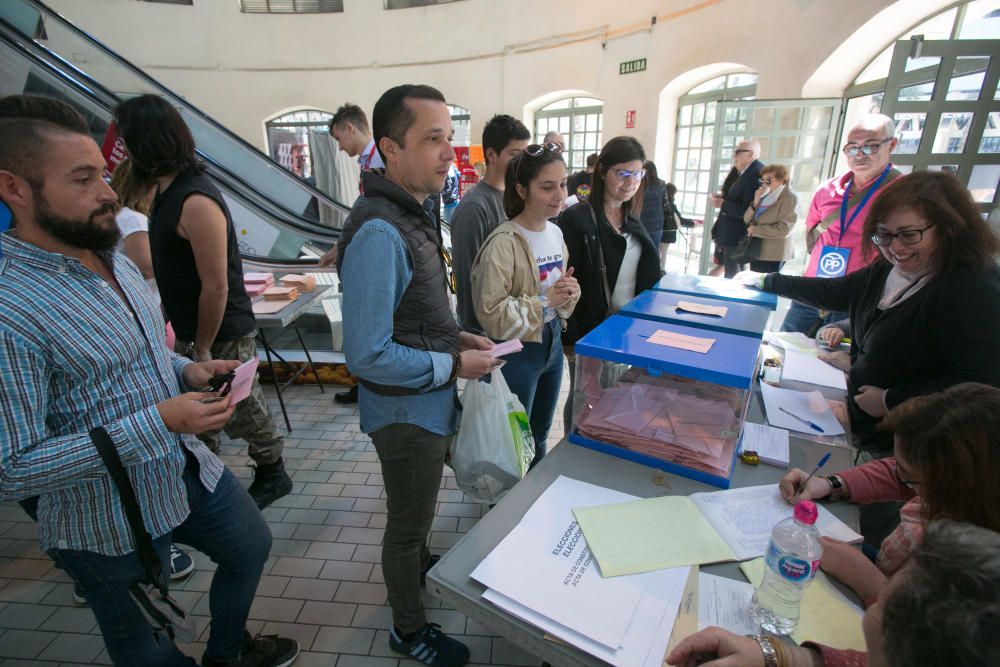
x,y
925,314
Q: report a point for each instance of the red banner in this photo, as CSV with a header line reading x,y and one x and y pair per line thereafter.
x,y
113,148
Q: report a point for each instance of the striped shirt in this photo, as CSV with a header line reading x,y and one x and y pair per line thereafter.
x,y
74,356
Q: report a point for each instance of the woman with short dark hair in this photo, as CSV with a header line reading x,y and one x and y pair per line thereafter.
x,y
925,314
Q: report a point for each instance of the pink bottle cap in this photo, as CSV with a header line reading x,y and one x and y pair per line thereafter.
x,y
806,512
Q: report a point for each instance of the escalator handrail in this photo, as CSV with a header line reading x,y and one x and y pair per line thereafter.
x,y
233,183
100,46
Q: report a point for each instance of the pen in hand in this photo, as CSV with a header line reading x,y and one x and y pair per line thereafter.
x,y
802,486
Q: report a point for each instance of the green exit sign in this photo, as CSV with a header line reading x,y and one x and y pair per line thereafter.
x,y
632,66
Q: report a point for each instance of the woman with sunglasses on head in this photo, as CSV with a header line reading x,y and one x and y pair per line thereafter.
x,y
610,251
522,288
925,314
770,218
945,463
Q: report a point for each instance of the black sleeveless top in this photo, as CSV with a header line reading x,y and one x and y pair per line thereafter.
x,y
174,266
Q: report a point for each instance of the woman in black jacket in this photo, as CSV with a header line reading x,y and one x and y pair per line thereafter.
x,y
611,254
925,314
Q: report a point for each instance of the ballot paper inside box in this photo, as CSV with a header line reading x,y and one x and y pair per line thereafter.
x,y
666,396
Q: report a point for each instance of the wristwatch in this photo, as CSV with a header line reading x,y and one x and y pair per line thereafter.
x,y
836,486
545,301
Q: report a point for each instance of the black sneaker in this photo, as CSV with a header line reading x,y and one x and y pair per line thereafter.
x,y
431,563
181,564
431,647
270,482
261,651
347,397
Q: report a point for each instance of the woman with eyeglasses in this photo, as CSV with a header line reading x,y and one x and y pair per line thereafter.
x,y
925,314
522,288
770,219
946,458
610,251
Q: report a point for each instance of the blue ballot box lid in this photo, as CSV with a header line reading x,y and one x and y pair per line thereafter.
x,y
716,288
741,319
730,361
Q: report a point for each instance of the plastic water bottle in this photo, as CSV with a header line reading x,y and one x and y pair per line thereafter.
x,y
792,560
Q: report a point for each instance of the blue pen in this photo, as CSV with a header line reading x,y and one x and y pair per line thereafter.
x,y
808,423
819,465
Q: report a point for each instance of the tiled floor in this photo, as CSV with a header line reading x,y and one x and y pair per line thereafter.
x,y
322,585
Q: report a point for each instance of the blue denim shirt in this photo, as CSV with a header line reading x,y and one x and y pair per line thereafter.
x,y
376,273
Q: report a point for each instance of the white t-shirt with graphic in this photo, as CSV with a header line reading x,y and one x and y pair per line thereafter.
x,y
547,248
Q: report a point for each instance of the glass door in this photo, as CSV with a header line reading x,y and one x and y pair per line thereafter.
x,y
943,96
796,133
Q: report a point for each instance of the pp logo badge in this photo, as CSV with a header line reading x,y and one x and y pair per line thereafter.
x,y
832,262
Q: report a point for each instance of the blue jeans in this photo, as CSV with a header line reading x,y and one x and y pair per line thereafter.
x,y
806,319
225,525
534,375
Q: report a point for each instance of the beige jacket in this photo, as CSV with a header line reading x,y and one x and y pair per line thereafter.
x,y
506,289
775,227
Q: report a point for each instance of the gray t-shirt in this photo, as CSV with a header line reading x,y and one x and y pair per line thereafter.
x,y
479,212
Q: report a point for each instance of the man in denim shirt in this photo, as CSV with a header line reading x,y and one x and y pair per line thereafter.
x,y
401,339
82,345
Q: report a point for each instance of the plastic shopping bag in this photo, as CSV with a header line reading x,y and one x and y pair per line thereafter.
x,y
494,445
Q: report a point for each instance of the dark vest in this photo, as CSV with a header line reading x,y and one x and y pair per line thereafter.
x,y
174,268
423,320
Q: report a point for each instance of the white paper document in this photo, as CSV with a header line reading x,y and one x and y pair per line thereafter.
x,y
543,573
645,640
726,603
771,444
792,340
809,406
809,368
544,563
745,518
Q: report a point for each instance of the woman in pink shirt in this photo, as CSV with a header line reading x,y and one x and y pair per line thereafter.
x,y
946,463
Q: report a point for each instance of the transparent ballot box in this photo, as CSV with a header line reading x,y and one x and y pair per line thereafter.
x,y
724,289
699,312
639,397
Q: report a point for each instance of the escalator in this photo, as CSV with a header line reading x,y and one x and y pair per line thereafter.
x,y
282,222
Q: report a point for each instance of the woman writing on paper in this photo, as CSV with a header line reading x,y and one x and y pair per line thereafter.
x,y
770,218
942,611
610,251
521,287
946,464
925,314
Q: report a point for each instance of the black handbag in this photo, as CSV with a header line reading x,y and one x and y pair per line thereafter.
x,y
747,250
150,593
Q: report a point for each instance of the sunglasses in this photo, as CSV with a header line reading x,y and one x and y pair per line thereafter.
x,y
535,150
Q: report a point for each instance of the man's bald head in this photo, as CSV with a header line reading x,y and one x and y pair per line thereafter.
x,y
875,133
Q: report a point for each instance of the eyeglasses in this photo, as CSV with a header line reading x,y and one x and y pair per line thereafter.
x,y
852,150
741,150
534,150
625,174
906,237
765,181
908,483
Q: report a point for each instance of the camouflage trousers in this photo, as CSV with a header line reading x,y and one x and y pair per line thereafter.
x,y
252,419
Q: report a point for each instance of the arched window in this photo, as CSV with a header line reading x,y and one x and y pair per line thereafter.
x,y
580,120
696,134
461,122
288,139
